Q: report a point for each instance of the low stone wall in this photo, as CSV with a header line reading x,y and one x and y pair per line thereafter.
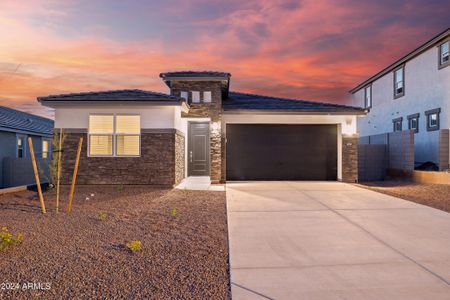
x,y
162,152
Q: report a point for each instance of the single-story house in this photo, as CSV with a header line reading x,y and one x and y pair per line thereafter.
x,y
15,160
203,129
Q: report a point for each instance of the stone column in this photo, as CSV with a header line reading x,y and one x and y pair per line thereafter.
x,y
349,158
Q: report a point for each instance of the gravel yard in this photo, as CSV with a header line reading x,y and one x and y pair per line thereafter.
x,y
183,234
434,195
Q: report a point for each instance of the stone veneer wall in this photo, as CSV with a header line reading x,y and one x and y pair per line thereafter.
x,y
179,157
211,110
161,161
349,158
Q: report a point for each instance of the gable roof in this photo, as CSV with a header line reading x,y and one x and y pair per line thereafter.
x,y
116,95
419,50
252,102
195,74
16,120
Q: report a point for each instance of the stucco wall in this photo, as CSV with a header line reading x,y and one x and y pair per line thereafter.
x,y
152,117
426,87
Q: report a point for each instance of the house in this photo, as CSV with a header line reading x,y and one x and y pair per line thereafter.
x,y
412,93
15,160
203,129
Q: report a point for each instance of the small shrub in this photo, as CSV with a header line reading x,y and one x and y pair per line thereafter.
x,y
120,188
134,246
8,240
102,216
174,212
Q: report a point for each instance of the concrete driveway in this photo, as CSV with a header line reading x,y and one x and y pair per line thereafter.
x,y
330,240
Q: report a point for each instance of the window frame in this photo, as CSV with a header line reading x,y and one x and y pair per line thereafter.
x,y
398,95
24,139
187,95
114,135
42,148
199,97
210,97
365,96
412,117
126,134
396,121
440,63
431,112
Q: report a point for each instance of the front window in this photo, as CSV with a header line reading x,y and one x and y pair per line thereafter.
x,y
397,124
368,96
433,119
20,147
444,54
44,149
399,82
114,135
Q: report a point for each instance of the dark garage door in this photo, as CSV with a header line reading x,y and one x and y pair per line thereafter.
x,y
281,152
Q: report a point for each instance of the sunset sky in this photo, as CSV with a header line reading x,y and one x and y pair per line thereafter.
x,y
308,49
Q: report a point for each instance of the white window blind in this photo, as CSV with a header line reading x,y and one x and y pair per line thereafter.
x,y
195,97
128,130
207,97
114,135
184,95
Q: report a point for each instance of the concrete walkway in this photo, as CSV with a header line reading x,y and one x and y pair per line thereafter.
x,y
330,240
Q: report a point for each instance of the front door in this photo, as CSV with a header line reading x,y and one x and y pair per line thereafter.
x,y
198,149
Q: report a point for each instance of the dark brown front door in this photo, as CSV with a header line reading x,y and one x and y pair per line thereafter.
x,y
281,152
198,149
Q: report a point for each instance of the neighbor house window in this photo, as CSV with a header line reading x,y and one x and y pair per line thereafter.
x,y
399,82
44,149
20,146
114,135
368,96
207,97
397,124
444,54
413,122
433,119
195,97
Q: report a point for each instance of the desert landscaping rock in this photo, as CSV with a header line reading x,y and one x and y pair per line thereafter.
x,y
433,195
183,256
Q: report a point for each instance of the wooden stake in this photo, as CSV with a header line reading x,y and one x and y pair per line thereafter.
x,y
58,170
36,174
74,179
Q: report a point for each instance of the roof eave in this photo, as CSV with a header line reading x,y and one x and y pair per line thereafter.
x,y
294,112
189,78
54,102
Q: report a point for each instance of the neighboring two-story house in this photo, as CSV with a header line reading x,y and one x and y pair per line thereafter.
x,y
15,159
413,93
203,129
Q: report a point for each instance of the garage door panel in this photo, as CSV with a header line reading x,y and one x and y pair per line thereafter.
x,y
281,152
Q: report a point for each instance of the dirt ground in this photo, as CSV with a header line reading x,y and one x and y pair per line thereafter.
x,y
434,195
183,234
